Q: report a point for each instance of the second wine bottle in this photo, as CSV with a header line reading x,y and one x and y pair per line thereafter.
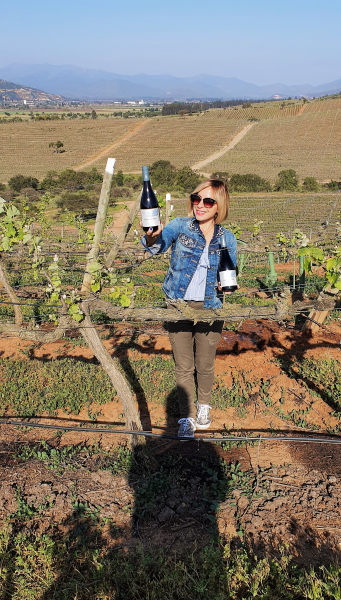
x,y
227,271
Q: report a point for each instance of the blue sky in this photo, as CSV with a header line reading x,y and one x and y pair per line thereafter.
x,y
259,41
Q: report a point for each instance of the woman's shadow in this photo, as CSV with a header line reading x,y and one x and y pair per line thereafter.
x,y
179,485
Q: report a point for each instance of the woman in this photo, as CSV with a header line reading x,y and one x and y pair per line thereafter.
x,y
192,276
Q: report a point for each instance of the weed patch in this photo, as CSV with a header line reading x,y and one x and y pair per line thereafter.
x,y
155,376
325,374
33,386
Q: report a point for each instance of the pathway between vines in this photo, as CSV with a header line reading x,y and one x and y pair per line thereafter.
x,y
202,163
105,152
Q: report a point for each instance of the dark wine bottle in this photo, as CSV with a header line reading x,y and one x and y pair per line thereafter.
x,y
150,213
227,273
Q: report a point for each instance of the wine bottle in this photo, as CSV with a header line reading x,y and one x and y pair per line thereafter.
x,y
227,273
150,213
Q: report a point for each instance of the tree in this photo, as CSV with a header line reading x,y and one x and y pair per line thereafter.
x,y
58,145
119,178
223,175
248,183
18,182
187,180
310,184
334,185
287,180
163,173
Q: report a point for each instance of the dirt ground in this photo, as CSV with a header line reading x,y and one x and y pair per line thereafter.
x,y
275,494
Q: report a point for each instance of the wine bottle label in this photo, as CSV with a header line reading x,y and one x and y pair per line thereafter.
x,y
150,217
227,278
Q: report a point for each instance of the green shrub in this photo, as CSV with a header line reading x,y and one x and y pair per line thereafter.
x,y
76,201
163,173
248,183
287,180
310,184
187,180
70,178
18,182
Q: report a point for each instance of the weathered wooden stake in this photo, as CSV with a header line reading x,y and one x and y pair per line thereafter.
x,y
168,208
319,316
100,222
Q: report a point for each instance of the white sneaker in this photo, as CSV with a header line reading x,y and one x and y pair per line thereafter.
x,y
203,420
187,428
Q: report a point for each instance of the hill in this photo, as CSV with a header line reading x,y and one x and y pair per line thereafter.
x,y
93,84
304,137
308,142
13,92
25,146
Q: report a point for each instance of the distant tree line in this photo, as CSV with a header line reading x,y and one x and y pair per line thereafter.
x,y
166,177
195,107
79,190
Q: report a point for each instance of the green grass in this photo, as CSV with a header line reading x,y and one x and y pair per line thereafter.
x,y
236,395
156,377
32,387
41,566
324,375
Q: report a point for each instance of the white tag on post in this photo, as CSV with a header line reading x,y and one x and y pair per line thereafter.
x,y
110,166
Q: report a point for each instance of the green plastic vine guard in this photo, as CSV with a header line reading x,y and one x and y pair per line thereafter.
x,y
242,258
272,277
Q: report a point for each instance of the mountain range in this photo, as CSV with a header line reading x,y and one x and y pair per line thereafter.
x,y
77,83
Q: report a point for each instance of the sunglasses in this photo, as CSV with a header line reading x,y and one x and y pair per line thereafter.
x,y
207,202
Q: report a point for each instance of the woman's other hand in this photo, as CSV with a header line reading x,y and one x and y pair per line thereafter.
x,y
151,236
227,293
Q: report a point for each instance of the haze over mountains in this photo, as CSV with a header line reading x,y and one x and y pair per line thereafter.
x,y
91,84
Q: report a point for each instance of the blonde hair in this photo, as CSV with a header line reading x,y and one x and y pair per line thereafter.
x,y
219,193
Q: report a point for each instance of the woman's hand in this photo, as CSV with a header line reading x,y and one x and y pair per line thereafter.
x,y
151,236
227,293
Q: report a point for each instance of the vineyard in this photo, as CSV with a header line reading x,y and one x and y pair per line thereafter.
x,y
323,105
25,146
268,110
99,498
295,135
309,143
181,140
311,213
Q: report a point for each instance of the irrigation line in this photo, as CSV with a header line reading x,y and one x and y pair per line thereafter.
x,y
230,438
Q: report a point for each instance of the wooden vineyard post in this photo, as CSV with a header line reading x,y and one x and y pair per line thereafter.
x,y
302,275
88,331
100,221
168,208
319,316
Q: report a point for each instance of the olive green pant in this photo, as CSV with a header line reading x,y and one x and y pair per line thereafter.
x,y
194,349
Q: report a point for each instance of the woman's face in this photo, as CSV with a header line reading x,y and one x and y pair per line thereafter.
x,y
201,213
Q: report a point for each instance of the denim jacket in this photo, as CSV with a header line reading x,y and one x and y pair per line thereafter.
x,y
185,237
